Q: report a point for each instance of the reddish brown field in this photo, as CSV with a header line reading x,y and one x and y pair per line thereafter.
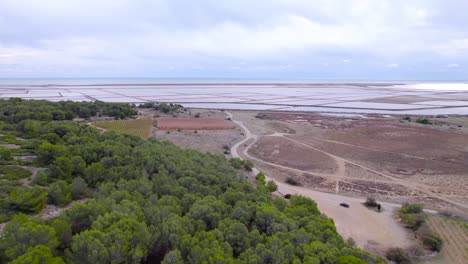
x,y
287,153
186,123
376,155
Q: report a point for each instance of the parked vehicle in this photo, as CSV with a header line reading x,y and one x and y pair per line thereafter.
x,y
344,205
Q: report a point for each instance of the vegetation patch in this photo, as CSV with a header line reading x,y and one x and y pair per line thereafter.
x,y
140,127
453,233
423,121
238,164
153,202
13,173
292,181
413,216
166,108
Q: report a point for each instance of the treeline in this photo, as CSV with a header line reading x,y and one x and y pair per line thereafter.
x,y
153,202
15,110
163,107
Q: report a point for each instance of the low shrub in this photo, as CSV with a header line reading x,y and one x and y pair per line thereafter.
x,y
290,180
371,202
432,242
398,256
41,178
423,121
411,209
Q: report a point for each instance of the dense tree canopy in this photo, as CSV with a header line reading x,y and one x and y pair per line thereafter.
x,y
15,110
152,202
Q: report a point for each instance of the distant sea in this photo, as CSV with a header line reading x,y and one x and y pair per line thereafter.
x,y
52,81
416,85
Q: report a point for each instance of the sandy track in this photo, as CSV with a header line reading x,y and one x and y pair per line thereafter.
x,y
371,230
412,185
420,187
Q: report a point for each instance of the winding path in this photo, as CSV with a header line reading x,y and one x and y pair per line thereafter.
x,y
339,175
371,230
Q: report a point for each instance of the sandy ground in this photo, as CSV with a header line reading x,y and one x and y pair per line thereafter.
x,y
52,211
371,230
212,141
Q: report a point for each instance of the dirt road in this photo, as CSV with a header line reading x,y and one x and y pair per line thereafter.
x,y
371,230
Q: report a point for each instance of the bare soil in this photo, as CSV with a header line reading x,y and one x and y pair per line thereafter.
x,y
187,123
213,141
278,150
367,155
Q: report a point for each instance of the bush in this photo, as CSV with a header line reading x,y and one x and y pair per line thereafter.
x,y
398,256
5,154
60,193
292,181
411,209
371,202
423,121
41,178
13,173
248,165
260,178
236,163
432,242
272,186
413,221
407,118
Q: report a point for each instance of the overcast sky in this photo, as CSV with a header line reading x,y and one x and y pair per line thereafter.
x,y
307,39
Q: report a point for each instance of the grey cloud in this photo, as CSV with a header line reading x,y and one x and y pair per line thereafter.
x,y
208,37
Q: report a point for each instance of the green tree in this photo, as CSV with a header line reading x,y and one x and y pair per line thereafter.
x,y
62,169
260,178
78,165
21,233
39,254
60,193
248,165
265,216
63,231
236,163
173,257
87,248
5,154
48,152
272,186
28,199
78,188
237,235
350,260
41,178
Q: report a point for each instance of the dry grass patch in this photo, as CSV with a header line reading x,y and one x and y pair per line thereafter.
x,y
140,127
